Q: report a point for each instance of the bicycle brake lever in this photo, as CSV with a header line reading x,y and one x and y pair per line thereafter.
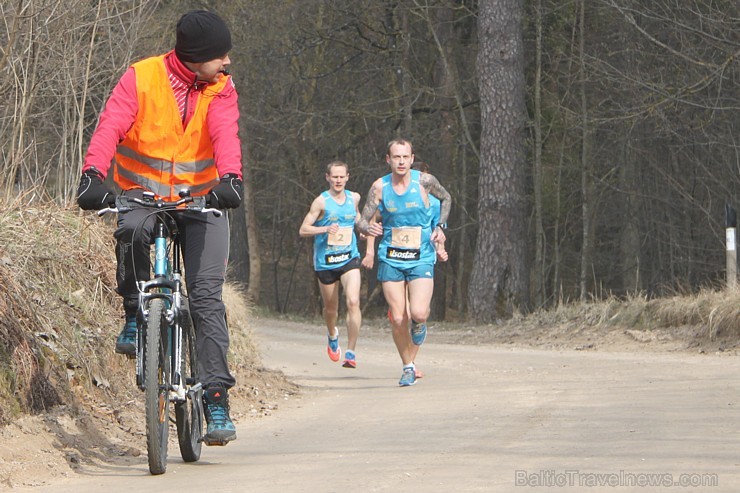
x,y
216,212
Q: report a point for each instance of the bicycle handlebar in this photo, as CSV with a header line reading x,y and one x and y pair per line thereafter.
x,y
188,203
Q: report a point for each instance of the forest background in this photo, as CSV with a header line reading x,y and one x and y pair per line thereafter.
x,y
590,146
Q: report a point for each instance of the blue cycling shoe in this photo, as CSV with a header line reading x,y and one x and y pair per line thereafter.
x,y
126,341
221,429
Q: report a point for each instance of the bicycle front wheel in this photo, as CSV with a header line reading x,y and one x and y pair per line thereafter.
x,y
156,382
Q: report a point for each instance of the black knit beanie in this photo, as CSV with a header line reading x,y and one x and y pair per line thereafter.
x,y
201,36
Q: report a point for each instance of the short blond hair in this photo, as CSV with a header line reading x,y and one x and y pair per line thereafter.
x,y
401,142
336,163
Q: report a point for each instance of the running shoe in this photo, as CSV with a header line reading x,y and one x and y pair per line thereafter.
x,y
333,349
408,378
418,333
126,341
349,360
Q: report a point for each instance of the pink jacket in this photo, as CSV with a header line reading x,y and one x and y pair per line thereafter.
x,y
120,112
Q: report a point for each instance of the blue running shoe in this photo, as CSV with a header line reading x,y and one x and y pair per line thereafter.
x,y
408,378
221,429
126,342
333,349
418,333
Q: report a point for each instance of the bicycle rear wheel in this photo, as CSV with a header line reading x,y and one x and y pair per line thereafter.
x,y
156,382
189,413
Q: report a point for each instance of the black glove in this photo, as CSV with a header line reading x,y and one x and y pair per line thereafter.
x,y
93,194
227,194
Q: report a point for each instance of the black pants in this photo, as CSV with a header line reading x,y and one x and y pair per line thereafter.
x,y
205,250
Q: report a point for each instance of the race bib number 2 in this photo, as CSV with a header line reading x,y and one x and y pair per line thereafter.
x,y
343,237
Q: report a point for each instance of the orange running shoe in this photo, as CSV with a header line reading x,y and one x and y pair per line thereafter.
x,y
333,349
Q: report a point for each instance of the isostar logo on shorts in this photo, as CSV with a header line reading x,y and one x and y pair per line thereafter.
x,y
397,254
337,258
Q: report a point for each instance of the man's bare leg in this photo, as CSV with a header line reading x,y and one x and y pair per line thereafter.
x,y
351,282
330,296
420,293
395,296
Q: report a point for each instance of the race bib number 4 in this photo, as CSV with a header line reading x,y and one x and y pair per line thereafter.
x,y
343,237
407,237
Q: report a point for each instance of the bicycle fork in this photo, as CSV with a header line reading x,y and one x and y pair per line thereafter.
x,y
165,285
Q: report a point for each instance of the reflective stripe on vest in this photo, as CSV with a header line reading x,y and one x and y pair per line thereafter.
x,y
158,154
165,190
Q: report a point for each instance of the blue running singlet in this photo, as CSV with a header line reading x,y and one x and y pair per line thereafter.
x,y
334,251
406,226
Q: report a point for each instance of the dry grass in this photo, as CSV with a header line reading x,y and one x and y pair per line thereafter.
x,y
57,305
242,349
59,314
716,313
710,314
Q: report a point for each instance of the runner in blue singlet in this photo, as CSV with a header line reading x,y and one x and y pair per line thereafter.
x,y
406,255
330,221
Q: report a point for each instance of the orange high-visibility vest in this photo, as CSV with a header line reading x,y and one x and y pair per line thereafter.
x,y
158,154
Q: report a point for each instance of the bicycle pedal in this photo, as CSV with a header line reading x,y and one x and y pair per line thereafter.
x,y
214,443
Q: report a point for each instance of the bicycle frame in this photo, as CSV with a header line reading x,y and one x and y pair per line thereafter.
x,y
167,285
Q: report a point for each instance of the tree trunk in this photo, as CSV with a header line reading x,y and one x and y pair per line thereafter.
x,y
462,245
499,284
446,80
539,251
238,249
587,230
253,239
397,22
630,244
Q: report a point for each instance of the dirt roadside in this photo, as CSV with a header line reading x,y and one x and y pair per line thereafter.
x,y
40,450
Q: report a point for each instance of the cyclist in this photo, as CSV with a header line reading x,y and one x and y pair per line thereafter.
x,y
406,253
331,220
170,124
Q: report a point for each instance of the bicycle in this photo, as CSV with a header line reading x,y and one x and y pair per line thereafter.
x,y
166,358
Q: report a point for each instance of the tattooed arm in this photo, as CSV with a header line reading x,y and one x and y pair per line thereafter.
x,y
432,185
364,225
